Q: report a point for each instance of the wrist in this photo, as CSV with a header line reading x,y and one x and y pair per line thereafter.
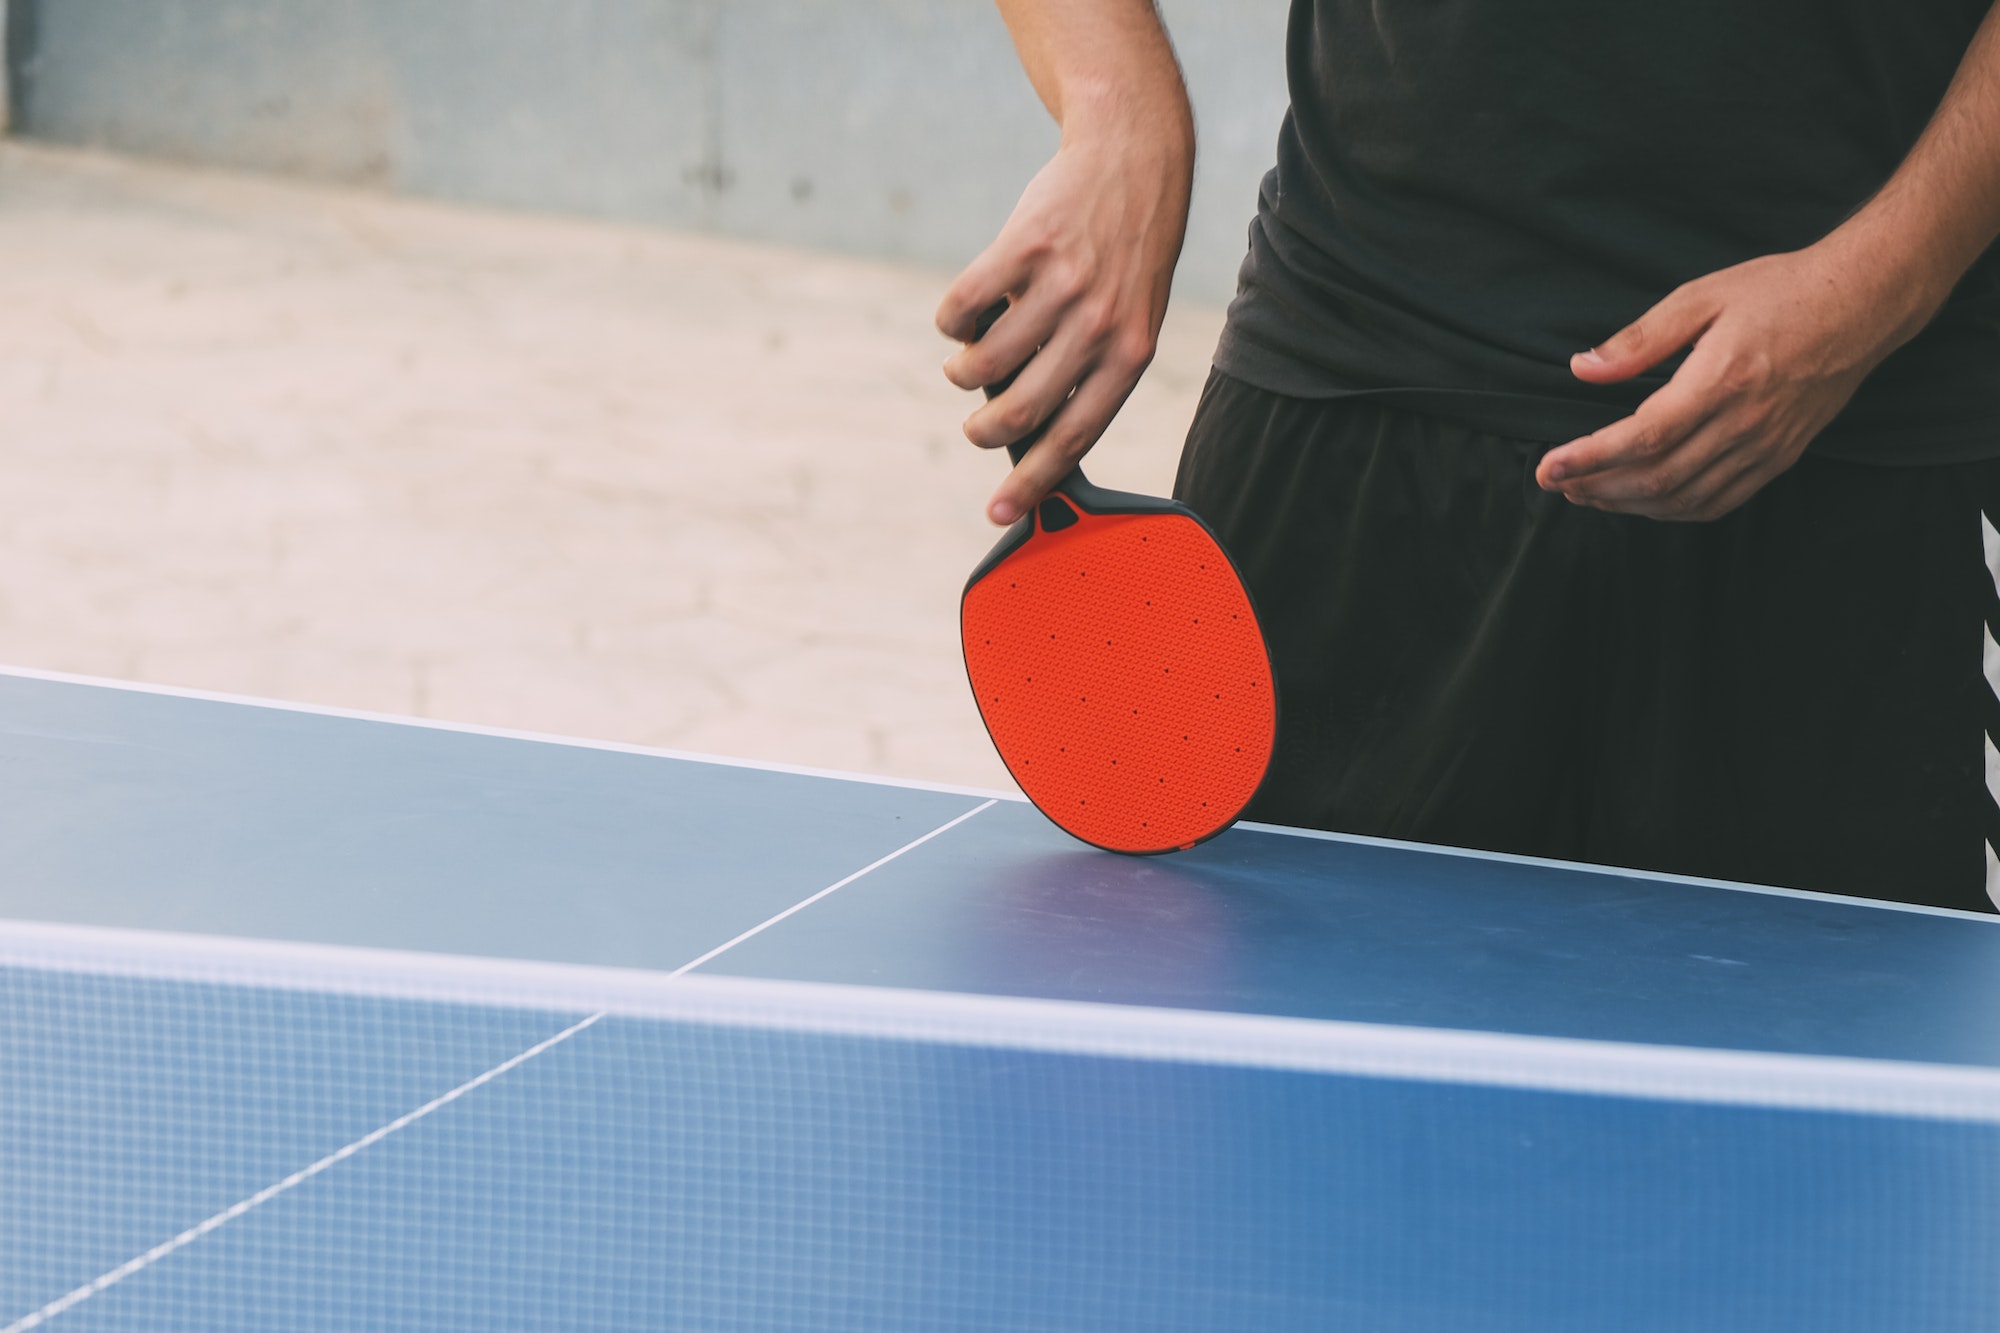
x,y
1897,279
1145,106
1903,257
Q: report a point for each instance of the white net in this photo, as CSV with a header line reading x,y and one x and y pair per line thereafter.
x,y
221,1135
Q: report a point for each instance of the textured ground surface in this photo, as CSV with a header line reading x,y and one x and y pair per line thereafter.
x,y
355,450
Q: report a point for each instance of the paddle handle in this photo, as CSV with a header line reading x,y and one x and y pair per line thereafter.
x,y
987,317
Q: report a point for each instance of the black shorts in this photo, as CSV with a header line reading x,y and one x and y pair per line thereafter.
x,y
1800,694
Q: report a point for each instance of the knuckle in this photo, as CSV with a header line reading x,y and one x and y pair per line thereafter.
x,y
1754,424
1065,443
1648,441
1037,238
955,312
1684,507
1694,298
1630,340
1075,443
1132,351
1066,283
1655,487
1745,373
1055,462
1015,419
1733,380
1097,321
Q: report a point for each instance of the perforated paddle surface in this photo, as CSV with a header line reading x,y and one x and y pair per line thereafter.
x,y
1123,678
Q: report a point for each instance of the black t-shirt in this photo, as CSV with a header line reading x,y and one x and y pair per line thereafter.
x,y
1469,191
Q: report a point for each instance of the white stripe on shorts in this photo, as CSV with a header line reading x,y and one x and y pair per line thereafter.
x,y
1990,663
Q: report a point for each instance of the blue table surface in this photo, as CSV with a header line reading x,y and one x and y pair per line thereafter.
x,y
127,808
658,1173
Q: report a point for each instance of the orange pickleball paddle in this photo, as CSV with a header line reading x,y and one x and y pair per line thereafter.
x,y
1119,666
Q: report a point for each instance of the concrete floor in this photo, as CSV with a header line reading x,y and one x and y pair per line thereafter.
x,y
336,447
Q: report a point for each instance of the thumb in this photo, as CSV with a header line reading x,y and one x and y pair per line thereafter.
x,y
1648,340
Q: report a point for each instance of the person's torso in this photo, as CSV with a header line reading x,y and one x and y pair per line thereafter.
x,y
1469,191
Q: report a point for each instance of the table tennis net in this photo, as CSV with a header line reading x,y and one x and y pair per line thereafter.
x,y
232,1149
233,1137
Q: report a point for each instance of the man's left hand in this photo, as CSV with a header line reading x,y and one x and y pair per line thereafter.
x,y
1776,347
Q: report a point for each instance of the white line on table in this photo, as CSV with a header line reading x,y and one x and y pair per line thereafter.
x,y
763,926
269,1192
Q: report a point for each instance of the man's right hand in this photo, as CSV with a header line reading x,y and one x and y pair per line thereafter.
x,y
1087,257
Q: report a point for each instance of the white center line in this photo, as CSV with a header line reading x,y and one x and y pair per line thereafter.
x,y
269,1192
762,926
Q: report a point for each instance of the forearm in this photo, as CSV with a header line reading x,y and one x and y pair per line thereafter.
x,y
1941,209
1103,64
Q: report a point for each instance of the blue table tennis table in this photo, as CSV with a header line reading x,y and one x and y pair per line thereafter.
x,y
320,1021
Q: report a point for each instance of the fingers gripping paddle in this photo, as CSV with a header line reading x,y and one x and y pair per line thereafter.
x,y
1119,666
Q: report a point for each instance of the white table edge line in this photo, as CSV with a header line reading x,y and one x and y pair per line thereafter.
x,y
498,733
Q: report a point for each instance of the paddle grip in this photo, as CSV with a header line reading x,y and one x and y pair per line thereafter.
x,y
987,317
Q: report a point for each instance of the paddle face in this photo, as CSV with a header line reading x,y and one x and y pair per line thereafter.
x,y
1120,669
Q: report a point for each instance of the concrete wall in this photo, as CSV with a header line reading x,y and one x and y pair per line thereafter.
x,y
6,68
898,128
